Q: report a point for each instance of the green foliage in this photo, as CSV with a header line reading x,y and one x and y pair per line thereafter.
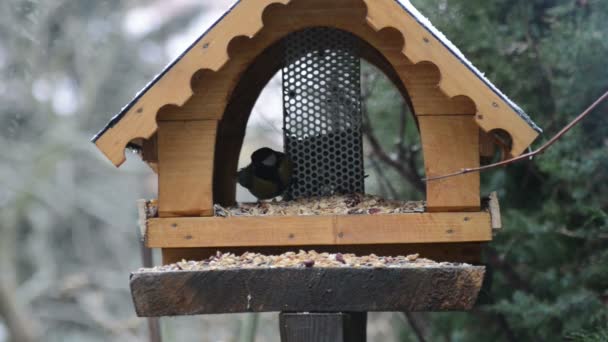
x,y
596,336
552,280
67,217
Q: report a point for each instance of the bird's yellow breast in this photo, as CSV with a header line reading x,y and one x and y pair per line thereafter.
x,y
263,189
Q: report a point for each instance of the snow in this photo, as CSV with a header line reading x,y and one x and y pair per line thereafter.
x,y
426,23
209,25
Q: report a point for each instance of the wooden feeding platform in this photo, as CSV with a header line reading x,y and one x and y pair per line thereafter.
x,y
304,282
339,221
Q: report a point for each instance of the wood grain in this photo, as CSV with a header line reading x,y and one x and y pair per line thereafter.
x,y
436,288
451,143
149,152
193,232
186,151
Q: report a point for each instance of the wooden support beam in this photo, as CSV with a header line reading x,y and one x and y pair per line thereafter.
x,y
185,151
194,232
450,143
323,327
345,289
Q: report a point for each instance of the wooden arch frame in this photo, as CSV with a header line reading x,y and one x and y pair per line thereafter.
x,y
222,102
231,129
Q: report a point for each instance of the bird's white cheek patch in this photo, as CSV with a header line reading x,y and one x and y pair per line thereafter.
x,y
270,160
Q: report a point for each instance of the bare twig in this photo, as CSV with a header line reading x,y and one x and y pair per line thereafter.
x,y
501,321
385,183
403,171
402,130
540,150
418,330
20,326
513,278
406,168
506,327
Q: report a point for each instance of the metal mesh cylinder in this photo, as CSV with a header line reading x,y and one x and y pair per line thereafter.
x,y
322,112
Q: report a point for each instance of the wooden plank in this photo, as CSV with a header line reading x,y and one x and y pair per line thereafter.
x,y
412,228
450,143
323,327
435,288
239,231
469,252
194,232
186,151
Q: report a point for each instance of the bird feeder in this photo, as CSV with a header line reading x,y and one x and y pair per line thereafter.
x,y
189,123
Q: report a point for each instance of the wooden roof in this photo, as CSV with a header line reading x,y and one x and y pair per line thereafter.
x,y
424,43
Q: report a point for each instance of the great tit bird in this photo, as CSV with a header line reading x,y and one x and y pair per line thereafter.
x,y
268,175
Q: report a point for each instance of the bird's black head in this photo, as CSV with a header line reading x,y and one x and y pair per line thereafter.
x,y
245,177
265,157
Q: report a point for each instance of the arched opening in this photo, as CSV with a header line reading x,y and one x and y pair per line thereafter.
x,y
391,143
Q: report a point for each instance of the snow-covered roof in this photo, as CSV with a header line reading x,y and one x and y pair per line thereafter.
x,y
459,76
426,23
116,118
407,6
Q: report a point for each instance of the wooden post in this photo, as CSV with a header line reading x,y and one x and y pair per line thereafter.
x,y
323,327
185,155
451,142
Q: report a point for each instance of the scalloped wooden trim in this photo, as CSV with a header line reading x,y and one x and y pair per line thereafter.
x,y
456,79
211,53
246,20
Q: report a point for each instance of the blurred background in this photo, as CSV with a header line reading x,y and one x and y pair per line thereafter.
x,y
68,236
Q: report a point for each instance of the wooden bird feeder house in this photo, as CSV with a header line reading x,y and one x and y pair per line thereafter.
x,y
190,121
